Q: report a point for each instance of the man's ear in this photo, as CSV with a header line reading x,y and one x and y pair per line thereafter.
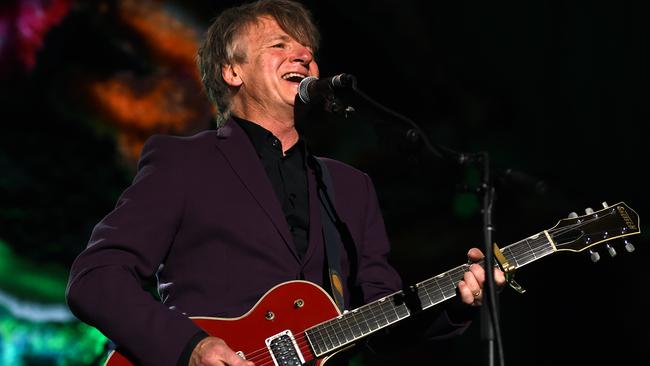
x,y
230,75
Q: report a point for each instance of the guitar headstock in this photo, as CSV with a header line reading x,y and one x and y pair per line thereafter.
x,y
578,233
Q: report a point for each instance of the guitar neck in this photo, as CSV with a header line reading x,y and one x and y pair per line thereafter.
x,y
443,287
363,321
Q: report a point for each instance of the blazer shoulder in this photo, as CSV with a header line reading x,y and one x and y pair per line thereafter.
x,y
169,149
176,145
171,141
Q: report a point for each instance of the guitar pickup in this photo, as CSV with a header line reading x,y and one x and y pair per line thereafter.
x,y
284,349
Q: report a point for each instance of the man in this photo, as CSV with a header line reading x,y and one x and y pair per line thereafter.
x,y
221,217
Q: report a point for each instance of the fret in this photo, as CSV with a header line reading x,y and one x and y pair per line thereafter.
x,y
401,309
507,252
356,331
435,292
363,324
336,329
531,249
436,280
314,339
327,339
425,297
382,320
450,287
347,331
528,250
391,312
371,320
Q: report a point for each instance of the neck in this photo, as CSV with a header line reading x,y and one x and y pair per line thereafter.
x,y
280,123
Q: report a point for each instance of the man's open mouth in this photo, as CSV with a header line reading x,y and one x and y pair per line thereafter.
x,y
294,77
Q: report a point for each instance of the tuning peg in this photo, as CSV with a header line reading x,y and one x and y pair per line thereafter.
x,y
595,257
605,205
611,250
573,215
628,246
589,210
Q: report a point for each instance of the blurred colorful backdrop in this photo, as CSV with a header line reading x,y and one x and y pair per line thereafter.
x,y
555,92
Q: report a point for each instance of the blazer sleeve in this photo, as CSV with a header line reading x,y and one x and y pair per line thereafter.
x,y
105,287
375,276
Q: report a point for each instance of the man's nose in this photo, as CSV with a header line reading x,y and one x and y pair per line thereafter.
x,y
302,54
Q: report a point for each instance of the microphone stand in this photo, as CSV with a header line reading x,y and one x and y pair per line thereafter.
x,y
490,328
489,314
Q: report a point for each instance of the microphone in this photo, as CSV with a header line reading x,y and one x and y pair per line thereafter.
x,y
312,89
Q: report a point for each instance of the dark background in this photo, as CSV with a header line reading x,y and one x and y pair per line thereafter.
x,y
556,91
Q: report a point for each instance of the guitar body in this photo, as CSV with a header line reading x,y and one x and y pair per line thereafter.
x,y
294,306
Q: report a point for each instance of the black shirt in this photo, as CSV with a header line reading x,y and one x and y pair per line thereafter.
x,y
288,175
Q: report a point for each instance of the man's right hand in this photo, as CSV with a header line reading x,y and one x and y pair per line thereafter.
x,y
213,351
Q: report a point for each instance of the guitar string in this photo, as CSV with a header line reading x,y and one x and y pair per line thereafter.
x,y
303,342
525,254
377,316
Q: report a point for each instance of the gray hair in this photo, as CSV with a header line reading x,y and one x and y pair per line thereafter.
x,y
219,46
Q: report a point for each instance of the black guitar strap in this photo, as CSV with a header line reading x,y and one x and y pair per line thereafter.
x,y
331,235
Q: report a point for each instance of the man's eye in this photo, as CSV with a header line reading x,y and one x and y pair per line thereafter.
x,y
278,45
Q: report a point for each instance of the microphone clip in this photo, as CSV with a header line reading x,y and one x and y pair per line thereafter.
x,y
334,105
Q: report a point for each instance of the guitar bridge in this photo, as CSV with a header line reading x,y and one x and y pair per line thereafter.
x,y
284,349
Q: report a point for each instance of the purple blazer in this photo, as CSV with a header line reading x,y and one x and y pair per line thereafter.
x,y
202,217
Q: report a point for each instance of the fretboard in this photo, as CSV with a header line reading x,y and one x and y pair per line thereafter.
x,y
363,321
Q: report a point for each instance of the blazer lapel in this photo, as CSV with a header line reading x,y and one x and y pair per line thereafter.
x,y
240,154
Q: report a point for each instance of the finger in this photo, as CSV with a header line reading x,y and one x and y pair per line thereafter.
x,y
479,274
473,284
213,351
233,359
475,255
465,293
499,277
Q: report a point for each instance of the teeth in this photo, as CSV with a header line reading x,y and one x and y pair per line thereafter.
x,y
293,75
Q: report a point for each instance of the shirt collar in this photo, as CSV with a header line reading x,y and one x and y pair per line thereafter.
x,y
261,137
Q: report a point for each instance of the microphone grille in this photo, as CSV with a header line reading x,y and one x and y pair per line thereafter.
x,y
303,91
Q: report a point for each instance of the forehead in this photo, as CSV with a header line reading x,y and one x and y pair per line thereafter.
x,y
264,29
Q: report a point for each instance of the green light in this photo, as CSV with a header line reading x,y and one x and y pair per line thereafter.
x,y
465,205
29,343
24,343
30,280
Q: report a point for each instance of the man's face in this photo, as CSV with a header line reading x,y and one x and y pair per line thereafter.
x,y
275,64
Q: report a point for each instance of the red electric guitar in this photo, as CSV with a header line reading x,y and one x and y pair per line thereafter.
x,y
297,322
